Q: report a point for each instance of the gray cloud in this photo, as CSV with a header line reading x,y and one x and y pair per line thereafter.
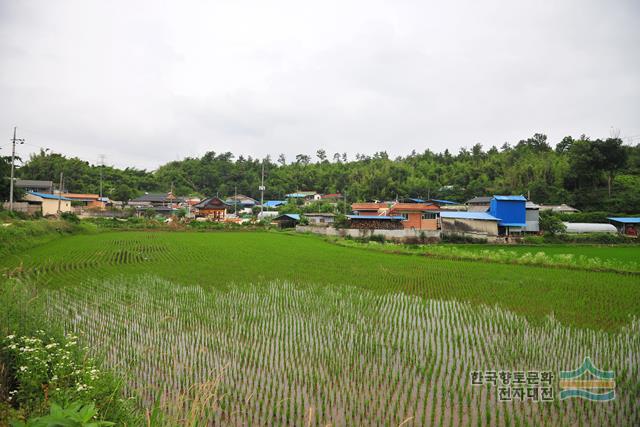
x,y
147,82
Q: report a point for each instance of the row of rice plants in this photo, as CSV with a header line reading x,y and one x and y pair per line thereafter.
x,y
277,353
211,260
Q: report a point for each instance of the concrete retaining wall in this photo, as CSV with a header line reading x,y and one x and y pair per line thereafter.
x,y
399,235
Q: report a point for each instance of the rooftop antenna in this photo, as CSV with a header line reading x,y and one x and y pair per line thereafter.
x,y
14,141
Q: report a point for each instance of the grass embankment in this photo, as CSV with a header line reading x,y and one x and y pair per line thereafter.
x,y
596,258
17,235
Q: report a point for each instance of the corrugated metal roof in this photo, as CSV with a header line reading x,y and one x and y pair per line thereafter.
x,y
367,206
531,205
412,207
480,199
469,215
292,216
624,220
48,196
274,203
399,218
443,202
23,183
511,198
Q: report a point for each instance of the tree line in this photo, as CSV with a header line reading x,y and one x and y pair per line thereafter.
x,y
591,174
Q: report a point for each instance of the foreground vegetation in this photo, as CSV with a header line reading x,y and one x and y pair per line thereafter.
x,y
270,328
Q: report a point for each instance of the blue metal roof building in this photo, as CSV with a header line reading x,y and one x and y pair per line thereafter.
x,y
510,209
625,220
274,203
48,196
626,225
483,216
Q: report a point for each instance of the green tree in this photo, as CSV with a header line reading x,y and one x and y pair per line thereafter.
x,y
551,223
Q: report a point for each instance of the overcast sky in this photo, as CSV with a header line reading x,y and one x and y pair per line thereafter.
x,y
146,82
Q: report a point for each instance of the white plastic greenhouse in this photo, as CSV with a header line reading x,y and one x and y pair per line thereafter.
x,y
586,227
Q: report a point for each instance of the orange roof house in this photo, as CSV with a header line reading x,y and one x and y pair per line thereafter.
x,y
419,216
89,200
368,208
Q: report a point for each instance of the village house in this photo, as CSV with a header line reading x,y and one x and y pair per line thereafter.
x,y
242,201
418,216
90,201
562,208
155,200
306,196
628,226
479,204
331,198
34,185
49,204
286,220
212,208
273,204
369,208
532,218
320,219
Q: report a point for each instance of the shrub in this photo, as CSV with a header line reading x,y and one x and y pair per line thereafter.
x,y
341,221
70,216
377,238
460,238
75,414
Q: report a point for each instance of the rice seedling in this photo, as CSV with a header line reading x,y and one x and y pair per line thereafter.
x,y
299,354
272,329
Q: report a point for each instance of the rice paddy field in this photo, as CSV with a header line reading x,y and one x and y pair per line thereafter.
x,y
239,328
621,253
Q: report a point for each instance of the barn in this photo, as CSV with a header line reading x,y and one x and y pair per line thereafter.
x,y
512,213
469,222
286,220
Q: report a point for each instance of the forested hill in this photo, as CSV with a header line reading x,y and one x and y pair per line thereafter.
x,y
574,171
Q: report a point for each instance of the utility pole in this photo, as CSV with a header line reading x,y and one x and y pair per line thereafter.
x,y
13,156
262,190
235,199
60,194
101,162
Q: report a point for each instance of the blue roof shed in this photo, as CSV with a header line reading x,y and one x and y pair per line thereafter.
x,y
511,210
